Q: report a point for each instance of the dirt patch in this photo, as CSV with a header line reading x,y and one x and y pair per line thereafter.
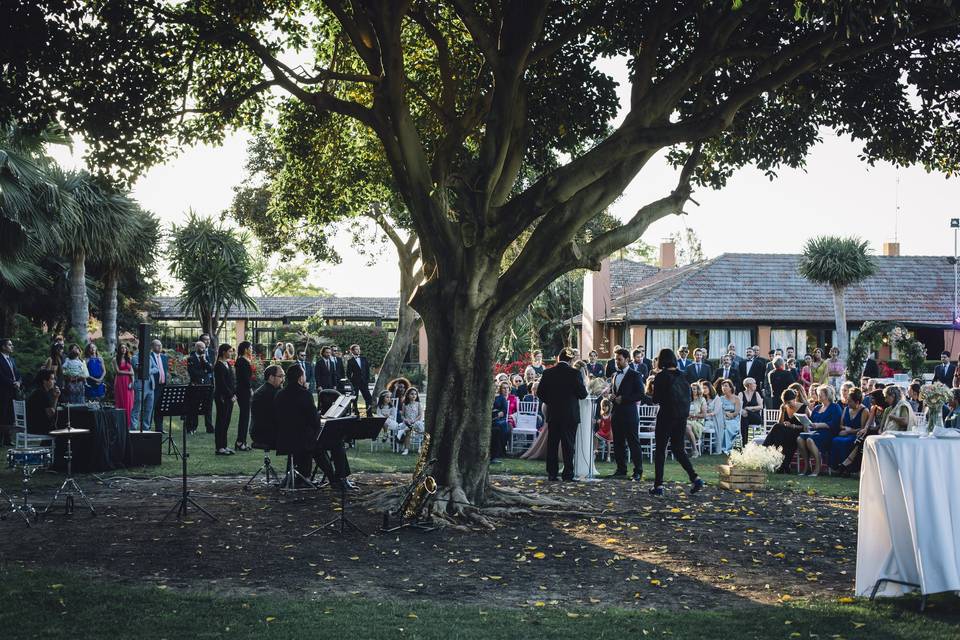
x,y
626,549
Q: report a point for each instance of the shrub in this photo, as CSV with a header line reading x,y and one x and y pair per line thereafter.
x,y
373,341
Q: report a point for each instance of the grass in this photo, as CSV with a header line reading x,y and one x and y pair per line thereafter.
x,y
44,604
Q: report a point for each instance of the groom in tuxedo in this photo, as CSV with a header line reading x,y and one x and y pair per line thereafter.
x,y
626,391
561,388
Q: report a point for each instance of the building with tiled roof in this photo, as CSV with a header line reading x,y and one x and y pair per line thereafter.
x,y
754,298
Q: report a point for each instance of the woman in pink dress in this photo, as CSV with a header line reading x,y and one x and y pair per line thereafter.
x,y
123,382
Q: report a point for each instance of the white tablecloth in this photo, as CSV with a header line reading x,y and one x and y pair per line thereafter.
x,y
909,524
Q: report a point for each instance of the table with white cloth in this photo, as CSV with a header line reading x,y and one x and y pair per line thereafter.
x,y
909,522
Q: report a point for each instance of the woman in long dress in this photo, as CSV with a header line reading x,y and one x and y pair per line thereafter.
x,y
583,463
123,381
730,406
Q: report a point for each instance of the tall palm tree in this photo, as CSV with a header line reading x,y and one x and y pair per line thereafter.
x,y
215,268
840,263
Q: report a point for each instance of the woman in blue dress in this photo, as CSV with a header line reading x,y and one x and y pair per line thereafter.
x,y
95,388
730,404
854,419
826,425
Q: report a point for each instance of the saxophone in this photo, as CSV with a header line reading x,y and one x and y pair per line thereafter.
x,y
423,484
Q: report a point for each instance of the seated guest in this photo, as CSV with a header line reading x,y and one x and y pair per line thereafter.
x,y
500,429
698,413
871,426
853,419
398,389
913,397
826,424
518,388
713,416
411,418
751,412
898,415
783,435
263,429
296,420
953,410
42,403
385,410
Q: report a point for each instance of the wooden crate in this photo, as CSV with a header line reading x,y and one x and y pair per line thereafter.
x,y
732,478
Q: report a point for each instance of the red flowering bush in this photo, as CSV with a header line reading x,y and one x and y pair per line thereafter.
x,y
510,368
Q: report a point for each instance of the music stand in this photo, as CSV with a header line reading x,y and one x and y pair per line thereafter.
x,y
172,402
197,399
335,432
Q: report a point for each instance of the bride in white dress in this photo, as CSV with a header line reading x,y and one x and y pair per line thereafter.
x,y
583,462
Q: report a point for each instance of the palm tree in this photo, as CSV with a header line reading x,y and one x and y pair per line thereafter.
x,y
840,263
134,238
215,268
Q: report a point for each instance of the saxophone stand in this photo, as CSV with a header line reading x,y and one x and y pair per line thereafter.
x,y
199,400
418,523
70,488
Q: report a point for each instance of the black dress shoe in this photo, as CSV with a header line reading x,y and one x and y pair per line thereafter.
x,y
618,474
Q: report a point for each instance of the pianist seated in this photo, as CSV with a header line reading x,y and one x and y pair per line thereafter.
x,y
42,404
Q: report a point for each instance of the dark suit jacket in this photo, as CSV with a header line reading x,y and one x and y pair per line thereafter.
x,y
944,374
358,374
706,372
778,381
872,370
734,376
340,374
200,372
631,389
642,369
611,367
263,428
325,377
224,382
296,420
308,370
596,369
8,390
753,369
561,388
683,363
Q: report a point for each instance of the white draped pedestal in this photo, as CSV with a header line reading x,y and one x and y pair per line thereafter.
x,y
909,525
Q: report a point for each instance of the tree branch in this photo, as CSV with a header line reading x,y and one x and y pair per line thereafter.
x,y
480,30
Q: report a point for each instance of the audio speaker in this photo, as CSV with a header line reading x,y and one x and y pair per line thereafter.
x,y
143,337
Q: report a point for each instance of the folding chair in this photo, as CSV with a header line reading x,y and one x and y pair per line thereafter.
x,y
22,437
524,431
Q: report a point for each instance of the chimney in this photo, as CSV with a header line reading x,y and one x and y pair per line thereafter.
x,y
668,255
891,248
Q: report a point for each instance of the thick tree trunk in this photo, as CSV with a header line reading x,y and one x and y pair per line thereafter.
x,y
840,317
109,311
79,303
407,326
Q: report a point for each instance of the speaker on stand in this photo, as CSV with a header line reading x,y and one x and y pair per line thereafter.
x,y
145,446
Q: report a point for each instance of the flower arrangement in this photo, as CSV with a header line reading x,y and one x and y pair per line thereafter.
x,y
934,395
757,457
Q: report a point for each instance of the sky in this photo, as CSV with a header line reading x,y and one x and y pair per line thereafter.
x,y
836,194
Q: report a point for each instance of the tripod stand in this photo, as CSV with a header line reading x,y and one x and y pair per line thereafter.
x,y
289,482
198,396
70,488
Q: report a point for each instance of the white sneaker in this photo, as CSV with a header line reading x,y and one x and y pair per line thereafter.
x,y
405,452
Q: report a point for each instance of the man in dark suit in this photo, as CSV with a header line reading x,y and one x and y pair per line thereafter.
x,y
872,370
626,391
325,370
11,387
643,358
778,380
639,365
561,388
358,373
698,370
752,368
728,371
160,370
341,373
945,370
200,370
263,428
682,360
595,368
308,369
612,363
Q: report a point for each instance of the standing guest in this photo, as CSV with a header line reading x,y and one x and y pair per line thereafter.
x,y
411,418
751,367
278,351
698,412
123,381
296,419
160,371
699,370
818,368
325,370
728,371
682,359
870,367
289,353
835,369
943,372
826,424
625,392
735,360
75,376
594,367
95,388
645,360
55,361
340,372
212,359
561,388
224,393
806,371
358,372
244,375
852,420
11,388
779,378
639,365
537,362
263,426
757,354
200,371
751,410
784,434
730,406
308,369
500,430
42,403
791,368
790,353
611,367
672,392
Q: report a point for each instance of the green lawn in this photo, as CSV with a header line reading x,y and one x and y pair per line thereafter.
x,y
43,604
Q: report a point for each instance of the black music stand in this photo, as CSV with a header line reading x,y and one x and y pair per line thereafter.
x,y
335,432
197,399
172,402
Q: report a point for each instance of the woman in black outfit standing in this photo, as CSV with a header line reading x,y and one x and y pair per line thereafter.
x,y
244,392
672,392
224,393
